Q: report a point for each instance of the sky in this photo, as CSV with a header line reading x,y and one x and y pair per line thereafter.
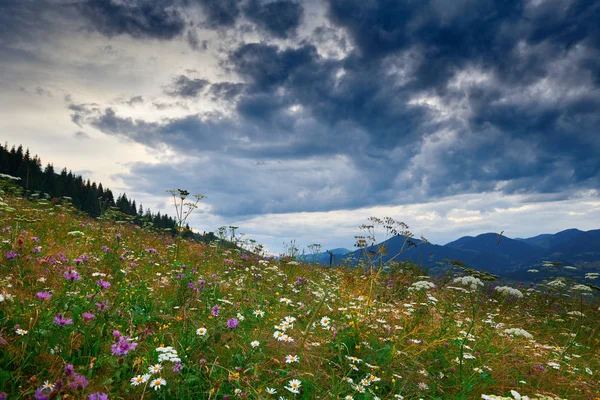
x,y
300,119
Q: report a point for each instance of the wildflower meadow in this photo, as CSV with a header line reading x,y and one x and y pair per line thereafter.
x,y
98,309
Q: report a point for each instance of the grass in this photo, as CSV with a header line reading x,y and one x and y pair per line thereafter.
x,y
209,322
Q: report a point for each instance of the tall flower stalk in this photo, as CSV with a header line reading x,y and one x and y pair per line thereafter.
x,y
183,210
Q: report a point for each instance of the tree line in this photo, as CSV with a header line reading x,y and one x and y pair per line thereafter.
x,y
85,195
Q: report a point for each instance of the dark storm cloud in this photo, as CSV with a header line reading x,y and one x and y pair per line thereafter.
x,y
159,19
226,91
428,99
183,86
279,18
220,13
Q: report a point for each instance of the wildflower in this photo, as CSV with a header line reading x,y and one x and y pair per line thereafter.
x,y
553,364
285,300
215,311
155,369
88,316
69,370
79,382
123,346
556,284
10,255
177,367
39,395
61,321
102,306
258,313
98,396
581,288
254,344
508,291
294,386
423,386
137,380
325,321
47,385
291,359
43,295
201,331
21,332
240,317
157,383
421,285
1,297
72,275
518,332
103,284
232,323
468,281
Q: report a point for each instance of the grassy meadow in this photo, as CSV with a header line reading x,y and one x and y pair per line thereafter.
x,y
94,309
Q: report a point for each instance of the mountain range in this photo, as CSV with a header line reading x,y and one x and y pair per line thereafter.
x,y
497,254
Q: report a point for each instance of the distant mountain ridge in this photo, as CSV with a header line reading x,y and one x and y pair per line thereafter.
x,y
492,252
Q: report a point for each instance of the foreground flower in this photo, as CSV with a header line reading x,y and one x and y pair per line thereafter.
x,y
157,383
155,369
123,346
294,386
271,390
254,344
62,321
21,332
72,275
233,323
291,359
98,396
137,380
103,284
43,295
201,331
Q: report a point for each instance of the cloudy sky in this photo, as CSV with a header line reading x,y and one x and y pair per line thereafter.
x,y
300,119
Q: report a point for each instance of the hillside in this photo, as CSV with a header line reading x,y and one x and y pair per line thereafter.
x,y
93,309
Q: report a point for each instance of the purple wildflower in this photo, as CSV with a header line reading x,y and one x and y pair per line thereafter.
x,y
118,236
2,396
79,382
60,320
232,323
39,395
102,306
123,346
11,254
103,284
215,311
106,248
177,367
37,249
88,316
43,295
35,239
72,275
98,396
69,370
